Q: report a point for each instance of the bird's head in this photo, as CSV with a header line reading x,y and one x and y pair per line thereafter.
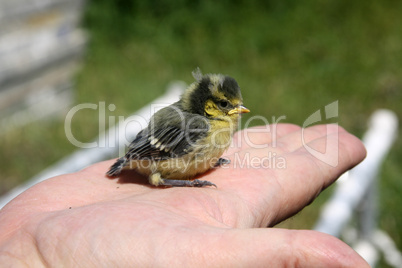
x,y
214,96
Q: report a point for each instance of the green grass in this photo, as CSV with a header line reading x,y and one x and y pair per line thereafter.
x,y
290,58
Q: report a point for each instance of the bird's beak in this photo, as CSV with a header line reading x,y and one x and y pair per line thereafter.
x,y
239,110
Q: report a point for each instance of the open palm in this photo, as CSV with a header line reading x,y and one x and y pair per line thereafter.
x,y
86,219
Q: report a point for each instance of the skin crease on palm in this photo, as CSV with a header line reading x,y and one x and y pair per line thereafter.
x,y
86,219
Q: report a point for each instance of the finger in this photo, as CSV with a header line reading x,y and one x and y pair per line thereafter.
x,y
280,138
274,192
303,136
307,174
281,248
259,137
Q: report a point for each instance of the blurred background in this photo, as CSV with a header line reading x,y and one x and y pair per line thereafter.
x,y
289,57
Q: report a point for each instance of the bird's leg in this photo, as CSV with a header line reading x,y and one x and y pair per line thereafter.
x,y
156,179
186,183
222,161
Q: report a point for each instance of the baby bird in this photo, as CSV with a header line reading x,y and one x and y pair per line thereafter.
x,y
188,137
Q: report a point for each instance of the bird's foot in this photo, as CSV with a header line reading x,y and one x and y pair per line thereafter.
x,y
186,183
222,161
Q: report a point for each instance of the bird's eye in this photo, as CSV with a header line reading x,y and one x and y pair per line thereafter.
x,y
224,104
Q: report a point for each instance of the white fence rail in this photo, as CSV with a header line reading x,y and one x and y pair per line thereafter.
x,y
85,157
357,191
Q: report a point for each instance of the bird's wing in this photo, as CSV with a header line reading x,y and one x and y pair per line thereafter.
x,y
167,141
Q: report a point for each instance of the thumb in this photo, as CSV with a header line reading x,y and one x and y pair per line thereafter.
x,y
286,248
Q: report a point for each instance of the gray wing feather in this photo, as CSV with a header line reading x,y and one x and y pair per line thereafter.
x,y
169,140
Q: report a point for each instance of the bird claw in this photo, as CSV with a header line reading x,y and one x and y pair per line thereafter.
x,y
199,183
186,183
222,161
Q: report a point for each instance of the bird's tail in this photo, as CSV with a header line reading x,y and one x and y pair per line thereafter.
x,y
116,168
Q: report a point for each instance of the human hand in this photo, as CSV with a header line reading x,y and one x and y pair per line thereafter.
x,y
86,219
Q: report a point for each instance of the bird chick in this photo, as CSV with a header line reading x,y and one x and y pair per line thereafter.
x,y
188,137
